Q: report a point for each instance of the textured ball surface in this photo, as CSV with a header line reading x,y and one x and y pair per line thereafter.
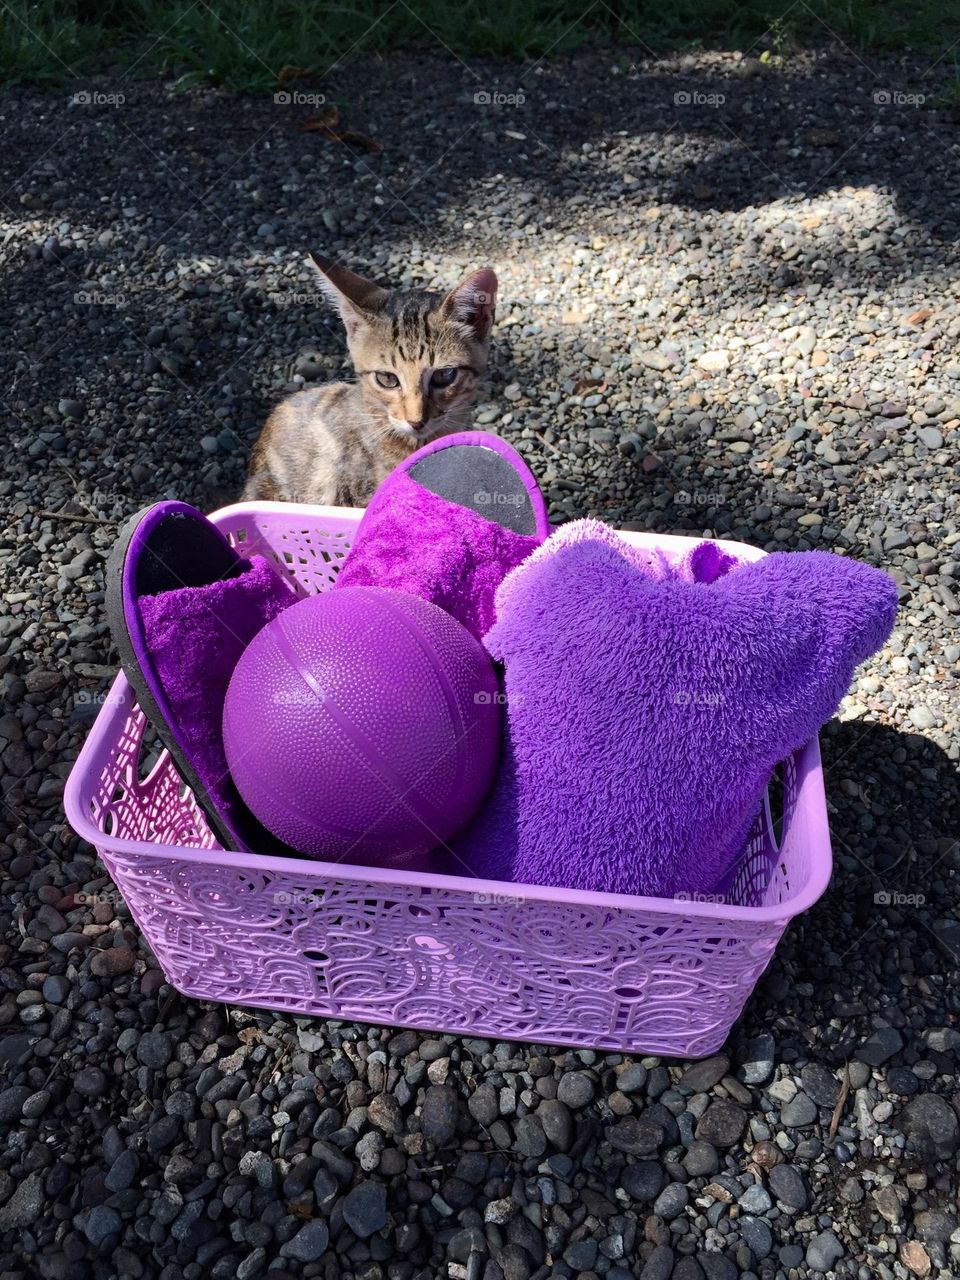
x,y
363,725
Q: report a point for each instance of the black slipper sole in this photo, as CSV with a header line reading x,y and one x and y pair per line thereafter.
x,y
173,546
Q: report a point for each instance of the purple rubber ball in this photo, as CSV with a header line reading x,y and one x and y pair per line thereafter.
x,y
363,725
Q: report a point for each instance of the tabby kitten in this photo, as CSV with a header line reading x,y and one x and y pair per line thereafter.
x,y
418,357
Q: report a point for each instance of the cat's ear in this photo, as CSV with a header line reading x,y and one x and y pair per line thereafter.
x,y
355,297
474,302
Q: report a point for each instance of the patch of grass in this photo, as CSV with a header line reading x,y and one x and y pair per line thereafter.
x,y
243,44
46,42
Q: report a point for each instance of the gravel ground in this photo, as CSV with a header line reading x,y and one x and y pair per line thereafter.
x,y
730,306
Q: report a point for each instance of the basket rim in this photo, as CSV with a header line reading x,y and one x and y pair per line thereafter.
x,y
96,751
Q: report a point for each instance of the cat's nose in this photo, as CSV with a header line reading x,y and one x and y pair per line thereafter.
x,y
417,425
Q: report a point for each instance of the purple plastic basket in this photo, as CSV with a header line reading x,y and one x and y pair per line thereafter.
x,y
443,953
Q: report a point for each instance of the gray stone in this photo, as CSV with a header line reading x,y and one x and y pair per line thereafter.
x,y
935,1225
112,963
631,1077
25,1206
721,1124
820,1084
702,1076
889,1205
581,1255
154,1049
334,1160
823,1251
930,436
438,1117
930,1125
101,1225
859,1074
659,1265
483,1104
56,988
253,1265
672,1201
122,1172
36,1104
365,1208
310,1242
300,1177
635,1136
755,1199
167,1205
758,1063
557,1123
530,1140
90,1082
258,1165
575,1089
701,1159
903,1081
687,1268
13,1050
788,1186
799,1112
11,1102
163,1132
717,1266
879,1046
942,1039
757,1235
642,1181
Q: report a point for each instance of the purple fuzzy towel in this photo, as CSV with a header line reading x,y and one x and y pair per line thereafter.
x,y
195,636
413,540
648,704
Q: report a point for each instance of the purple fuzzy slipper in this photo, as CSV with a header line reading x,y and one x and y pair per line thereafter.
x,y
648,703
182,607
448,525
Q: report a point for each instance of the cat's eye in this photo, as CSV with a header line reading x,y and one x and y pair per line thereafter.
x,y
444,377
385,379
